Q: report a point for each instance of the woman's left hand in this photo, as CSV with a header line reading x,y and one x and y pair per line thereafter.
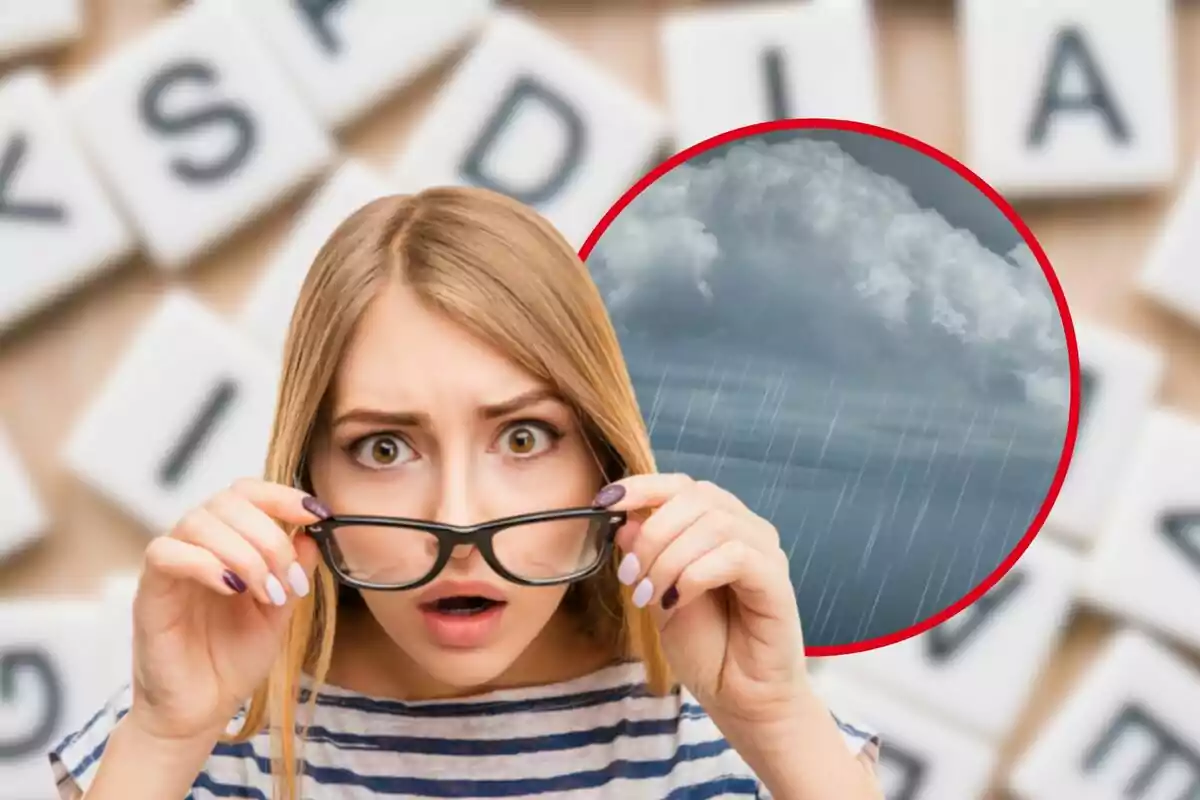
x,y
720,591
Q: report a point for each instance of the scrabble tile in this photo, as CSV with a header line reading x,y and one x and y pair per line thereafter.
x,y
732,66
1169,276
526,115
117,598
196,130
1145,565
1087,107
977,668
923,757
348,56
269,310
1128,729
188,410
48,650
58,226
1119,383
23,516
26,26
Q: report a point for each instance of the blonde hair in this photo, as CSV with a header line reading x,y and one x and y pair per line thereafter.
x,y
503,273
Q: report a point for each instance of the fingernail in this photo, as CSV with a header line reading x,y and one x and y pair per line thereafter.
x,y
297,579
275,591
628,571
670,598
315,507
643,593
609,495
233,582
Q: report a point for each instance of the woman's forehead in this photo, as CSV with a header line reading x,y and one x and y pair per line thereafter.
x,y
405,354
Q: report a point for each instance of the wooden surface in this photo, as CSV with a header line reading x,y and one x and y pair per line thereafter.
x,y
51,367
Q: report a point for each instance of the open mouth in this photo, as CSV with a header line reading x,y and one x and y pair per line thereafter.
x,y
462,606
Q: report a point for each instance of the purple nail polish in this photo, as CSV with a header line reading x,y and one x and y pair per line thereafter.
x,y
670,598
233,582
609,495
315,507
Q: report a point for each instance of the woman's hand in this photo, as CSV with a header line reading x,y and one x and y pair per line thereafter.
x,y
718,582
212,605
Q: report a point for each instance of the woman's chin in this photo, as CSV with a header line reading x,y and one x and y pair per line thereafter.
x,y
468,671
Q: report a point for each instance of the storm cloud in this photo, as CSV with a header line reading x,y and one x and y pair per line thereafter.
x,y
888,391
802,251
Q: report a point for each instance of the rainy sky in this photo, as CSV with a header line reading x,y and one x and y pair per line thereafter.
x,y
853,340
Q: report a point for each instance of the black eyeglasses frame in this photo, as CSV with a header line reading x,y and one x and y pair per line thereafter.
x,y
479,536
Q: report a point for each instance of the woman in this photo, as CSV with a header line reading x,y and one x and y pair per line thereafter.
x,y
336,631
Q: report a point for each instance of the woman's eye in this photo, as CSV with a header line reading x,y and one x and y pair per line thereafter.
x,y
381,450
526,440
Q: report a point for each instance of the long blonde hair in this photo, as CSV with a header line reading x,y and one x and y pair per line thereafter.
x,y
503,273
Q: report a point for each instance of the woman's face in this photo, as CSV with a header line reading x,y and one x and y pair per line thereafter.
x,y
430,423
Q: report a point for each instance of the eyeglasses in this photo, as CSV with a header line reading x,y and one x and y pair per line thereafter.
x,y
541,549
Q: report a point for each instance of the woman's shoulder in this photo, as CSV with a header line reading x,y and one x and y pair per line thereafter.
x,y
862,740
74,760
673,737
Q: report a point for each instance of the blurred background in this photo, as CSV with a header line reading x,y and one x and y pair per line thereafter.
x,y
164,178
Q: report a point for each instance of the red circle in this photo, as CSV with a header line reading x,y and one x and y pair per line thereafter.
x,y
1060,300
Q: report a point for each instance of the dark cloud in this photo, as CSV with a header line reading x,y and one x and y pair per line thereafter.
x,y
887,390
798,250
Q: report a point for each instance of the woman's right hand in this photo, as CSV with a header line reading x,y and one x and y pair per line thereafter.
x,y
212,606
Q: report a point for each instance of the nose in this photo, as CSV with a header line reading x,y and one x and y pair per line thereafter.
x,y
457,500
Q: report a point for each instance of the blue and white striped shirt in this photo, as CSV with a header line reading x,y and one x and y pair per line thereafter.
x,y
603,735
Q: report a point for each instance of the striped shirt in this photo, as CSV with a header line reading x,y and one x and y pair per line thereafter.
x,y
603,735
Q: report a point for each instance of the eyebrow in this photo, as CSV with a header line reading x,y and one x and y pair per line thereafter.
x,y
414,418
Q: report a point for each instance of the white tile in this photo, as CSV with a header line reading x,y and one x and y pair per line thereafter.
x,y
27,26
527,115
728,67
58,226
1120,378
1169,275
978,668
1106,71
1130,720
348,56
923,757
197,130
118,595
188,410
23,515
1145,565
50,649
268,311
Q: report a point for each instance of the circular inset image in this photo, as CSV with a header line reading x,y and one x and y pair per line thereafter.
x,y
860,339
